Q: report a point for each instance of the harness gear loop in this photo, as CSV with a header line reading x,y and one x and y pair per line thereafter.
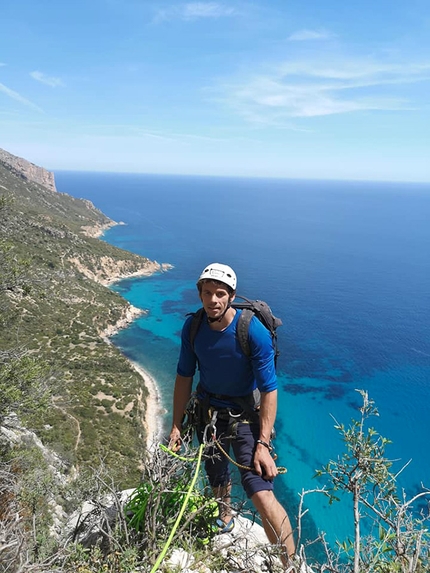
x,y
230,413
210,432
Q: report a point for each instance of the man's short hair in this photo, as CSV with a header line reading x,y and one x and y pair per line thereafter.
x,y
215,282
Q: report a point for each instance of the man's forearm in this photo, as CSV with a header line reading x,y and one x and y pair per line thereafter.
x,y
268,406
181,395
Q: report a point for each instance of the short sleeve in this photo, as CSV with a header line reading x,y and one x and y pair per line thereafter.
x,y
187,359
262,356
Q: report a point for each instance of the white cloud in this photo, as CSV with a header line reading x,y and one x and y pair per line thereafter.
x,y
19,98
304,35
362,71
44,79
206,10
314,88
127,130
195,10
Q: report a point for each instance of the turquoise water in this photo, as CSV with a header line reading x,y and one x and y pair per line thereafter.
x,y
346,265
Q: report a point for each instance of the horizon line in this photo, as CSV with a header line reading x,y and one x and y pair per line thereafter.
x,y
271,177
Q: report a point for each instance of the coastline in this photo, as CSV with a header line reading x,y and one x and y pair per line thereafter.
x,y
151,405
97,231
153,411
130,315
150,268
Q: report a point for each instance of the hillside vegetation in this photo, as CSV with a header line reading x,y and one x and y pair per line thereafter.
x,y
58,313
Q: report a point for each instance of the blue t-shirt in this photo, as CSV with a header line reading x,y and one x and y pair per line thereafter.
x,y
224,368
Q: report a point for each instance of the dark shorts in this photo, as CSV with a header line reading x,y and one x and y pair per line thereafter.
x,y
242,445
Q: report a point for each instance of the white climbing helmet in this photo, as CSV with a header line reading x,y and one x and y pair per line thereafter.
x,y
221,273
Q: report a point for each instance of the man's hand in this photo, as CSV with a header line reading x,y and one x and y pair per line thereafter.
x,y
264,464
175,440
181,395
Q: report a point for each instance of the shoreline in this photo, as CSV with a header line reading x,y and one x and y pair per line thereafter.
x,y
150,269
96,231
131,314
154,410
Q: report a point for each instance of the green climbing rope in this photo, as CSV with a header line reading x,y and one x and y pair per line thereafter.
x,y
182,510
175,455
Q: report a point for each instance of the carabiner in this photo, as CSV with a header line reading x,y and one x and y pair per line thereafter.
x,y
212,427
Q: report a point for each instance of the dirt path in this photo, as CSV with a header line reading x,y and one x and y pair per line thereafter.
x,y
75,420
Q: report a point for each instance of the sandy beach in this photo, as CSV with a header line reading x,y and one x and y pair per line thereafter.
x,y
154,410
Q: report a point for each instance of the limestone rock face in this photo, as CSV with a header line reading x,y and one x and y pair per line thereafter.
x,y
28,170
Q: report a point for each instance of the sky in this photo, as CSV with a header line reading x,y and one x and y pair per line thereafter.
x,y
314,89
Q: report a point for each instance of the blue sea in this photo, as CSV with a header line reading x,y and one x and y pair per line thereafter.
x,y
345,265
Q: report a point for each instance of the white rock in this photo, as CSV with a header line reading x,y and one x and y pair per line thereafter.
x,y
180,558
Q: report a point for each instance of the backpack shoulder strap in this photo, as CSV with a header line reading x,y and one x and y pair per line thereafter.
x,y
197,318
242,330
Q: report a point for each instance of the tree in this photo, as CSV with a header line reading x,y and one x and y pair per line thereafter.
x,y
396,538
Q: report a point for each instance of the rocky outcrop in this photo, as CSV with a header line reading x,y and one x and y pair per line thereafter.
x,y
107,270
129,315
13,434
28,170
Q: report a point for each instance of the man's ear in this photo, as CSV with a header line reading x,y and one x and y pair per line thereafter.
x,y
232,296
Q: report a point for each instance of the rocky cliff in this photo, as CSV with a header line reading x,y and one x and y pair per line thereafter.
x,y
27,170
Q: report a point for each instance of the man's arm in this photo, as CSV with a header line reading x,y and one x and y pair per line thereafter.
x,y
262,458
181,395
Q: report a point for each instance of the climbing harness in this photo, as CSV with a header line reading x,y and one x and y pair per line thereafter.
x,y
210,435
199,412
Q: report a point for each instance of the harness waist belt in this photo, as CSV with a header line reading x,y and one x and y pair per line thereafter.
x,y
223,397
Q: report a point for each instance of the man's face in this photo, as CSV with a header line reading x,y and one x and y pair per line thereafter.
x,y
215,298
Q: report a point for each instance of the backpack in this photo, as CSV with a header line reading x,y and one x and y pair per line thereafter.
x,y
249,308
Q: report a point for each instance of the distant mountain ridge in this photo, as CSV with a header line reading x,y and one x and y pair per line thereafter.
x,y
28,170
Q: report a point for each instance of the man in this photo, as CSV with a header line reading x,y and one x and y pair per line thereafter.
x,y
227,380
